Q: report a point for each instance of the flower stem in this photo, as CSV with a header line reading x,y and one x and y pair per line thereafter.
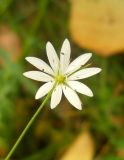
x,y
30,123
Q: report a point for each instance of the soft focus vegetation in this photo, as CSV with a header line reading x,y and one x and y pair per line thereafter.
x,y
96,132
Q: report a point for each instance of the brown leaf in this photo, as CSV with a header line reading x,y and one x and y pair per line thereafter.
x,y
3,148
98,25
120,153
10,42
81,149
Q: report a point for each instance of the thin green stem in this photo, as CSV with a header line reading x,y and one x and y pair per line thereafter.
x,y
29,123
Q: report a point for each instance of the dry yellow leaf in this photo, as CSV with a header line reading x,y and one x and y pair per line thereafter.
x,y
10,42
98,25
81,149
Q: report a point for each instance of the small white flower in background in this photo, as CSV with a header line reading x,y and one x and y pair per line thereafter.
x,y
64,73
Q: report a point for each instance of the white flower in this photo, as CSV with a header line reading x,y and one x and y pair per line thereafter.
x,y
64,73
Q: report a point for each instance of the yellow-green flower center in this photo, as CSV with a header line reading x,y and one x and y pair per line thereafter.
x,y
60,78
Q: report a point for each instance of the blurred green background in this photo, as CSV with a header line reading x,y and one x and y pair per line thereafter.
x,y
25,27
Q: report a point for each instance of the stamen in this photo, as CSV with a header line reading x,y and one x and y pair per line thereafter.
x,y
60,78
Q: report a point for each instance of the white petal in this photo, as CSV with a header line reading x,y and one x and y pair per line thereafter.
x,y
72,97
65,55
52,56
81,88
78,62
84,73
56,96
40,64
43,90
38,76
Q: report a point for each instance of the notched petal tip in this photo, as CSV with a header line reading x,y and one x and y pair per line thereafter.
x,y
29,58
56,97
91,95
26,58
66,40
25,74
80,108
53,107
90,54
66,43
99,70
48,43
37,97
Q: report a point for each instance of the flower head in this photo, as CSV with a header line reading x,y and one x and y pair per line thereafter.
x,y
64,73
